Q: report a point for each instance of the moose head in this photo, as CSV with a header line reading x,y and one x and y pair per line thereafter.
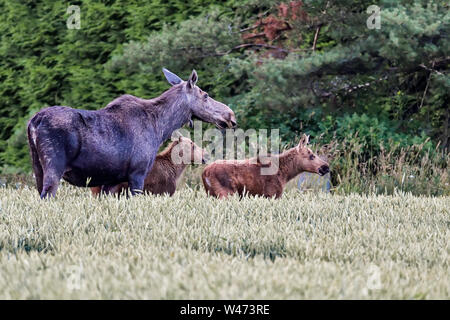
x,y
308,160
201,105
184,150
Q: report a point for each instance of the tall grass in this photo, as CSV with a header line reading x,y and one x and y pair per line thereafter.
x,y
415,169
190,246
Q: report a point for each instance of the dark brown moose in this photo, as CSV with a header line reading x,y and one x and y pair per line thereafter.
x,y
225,177
165,171
119,142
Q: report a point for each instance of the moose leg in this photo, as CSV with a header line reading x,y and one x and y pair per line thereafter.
x,y
37,169
51,182
116,190
53,173
136,181
121,189
138,172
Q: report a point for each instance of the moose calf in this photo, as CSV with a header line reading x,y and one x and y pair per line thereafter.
x,y
165,172
224,177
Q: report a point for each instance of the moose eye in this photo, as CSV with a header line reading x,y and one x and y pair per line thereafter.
x,y
311,157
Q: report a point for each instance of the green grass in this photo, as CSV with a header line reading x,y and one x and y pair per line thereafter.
x,y
313,246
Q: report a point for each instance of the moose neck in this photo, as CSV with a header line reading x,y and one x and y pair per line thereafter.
x,y
171,111
179,168
287,168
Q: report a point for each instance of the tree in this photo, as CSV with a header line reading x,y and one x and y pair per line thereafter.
x,y
44,63
301,61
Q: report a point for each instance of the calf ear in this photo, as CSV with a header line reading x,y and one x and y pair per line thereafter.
x,y
171,77
192,79
303,141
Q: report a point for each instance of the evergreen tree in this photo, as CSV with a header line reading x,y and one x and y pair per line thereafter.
x,y
43,63
309,62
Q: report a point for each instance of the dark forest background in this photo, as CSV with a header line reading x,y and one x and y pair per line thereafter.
x,y
376,101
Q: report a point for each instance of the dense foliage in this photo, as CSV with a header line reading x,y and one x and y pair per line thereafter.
x,y
44,63
311,66
273,72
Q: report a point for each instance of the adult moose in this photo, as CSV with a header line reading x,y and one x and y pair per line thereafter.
x,y
119,142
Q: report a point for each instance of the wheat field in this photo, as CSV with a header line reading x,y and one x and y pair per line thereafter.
x,y
303,246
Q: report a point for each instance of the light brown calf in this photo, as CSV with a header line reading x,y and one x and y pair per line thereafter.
x,y
164,174
224,177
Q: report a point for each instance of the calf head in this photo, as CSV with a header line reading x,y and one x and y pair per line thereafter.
x,y
309,161
188,152
201,105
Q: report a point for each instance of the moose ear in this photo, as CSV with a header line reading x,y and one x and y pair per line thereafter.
x,y
303,141
172,78
176,136
192,79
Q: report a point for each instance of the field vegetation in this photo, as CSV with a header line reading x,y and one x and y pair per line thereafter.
x,y
305,245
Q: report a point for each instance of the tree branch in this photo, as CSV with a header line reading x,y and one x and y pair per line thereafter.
x,y
246,45
426,87
316,36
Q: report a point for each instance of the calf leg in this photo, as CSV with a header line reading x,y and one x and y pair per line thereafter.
x,y
96,191
224,193
215,189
